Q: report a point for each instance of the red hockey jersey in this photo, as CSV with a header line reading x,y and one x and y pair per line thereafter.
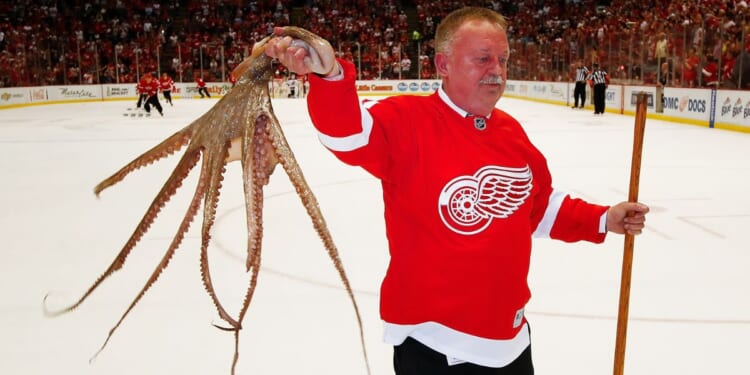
x,y
166,83
150,87
463,196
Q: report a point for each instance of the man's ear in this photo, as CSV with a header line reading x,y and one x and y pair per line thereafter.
x,y
441,64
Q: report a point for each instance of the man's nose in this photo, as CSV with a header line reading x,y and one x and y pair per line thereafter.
x,y
498,67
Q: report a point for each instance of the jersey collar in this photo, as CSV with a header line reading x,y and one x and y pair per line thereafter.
x,y
444,96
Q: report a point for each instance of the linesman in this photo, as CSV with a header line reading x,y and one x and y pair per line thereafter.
x,y
580,90
599,80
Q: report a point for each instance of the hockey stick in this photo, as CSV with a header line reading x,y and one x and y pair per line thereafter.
x,y
627,256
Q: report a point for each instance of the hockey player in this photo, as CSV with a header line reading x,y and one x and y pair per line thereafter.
x,y
151,89
140,89
202,87
166,83
464,190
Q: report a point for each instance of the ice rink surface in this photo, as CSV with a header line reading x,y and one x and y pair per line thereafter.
x,y
690,298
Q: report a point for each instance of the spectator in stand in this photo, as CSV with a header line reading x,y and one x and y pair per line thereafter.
x,y
691,68
665,76
166,84
727,67
710,72
741,71
202,90
426,72
660,52
406,66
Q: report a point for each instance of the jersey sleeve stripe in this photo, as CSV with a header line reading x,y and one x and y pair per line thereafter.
x,y
550,214
354,141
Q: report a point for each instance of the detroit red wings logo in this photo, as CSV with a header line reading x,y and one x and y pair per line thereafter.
x,y
468,204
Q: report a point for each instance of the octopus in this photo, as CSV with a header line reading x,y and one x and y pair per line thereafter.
x,y
241,126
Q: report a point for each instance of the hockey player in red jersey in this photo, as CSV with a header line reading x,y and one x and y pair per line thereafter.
x,y
202,87
151,89
166,84
464,190
142,95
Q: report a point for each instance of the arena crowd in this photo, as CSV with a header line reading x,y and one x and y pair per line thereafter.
x,y
49,42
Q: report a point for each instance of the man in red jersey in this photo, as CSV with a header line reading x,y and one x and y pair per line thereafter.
x,y
202,90
166,84
151,89
464,191
139,88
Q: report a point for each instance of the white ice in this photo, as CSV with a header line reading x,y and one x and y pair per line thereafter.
x,y
690,297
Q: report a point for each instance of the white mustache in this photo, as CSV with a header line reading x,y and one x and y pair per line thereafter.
x,y
494,80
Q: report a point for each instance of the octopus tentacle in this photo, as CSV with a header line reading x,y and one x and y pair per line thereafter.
x,y
215,169
256,169
254,268
186,163
254,216
167,147
258,164
289,163
195,203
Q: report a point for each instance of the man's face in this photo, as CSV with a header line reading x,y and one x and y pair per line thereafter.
x,y
472,69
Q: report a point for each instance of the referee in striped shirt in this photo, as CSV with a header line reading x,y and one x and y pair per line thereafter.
x,y
600,80
580,90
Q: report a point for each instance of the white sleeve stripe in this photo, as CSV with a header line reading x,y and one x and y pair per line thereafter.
x,y
550,215
354,141
603,222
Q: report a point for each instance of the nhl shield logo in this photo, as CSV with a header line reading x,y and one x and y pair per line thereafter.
x,y
480,123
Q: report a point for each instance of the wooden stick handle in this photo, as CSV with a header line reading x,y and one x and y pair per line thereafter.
x,y
627,256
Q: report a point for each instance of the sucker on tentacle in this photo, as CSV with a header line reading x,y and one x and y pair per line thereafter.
x,y
241,126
